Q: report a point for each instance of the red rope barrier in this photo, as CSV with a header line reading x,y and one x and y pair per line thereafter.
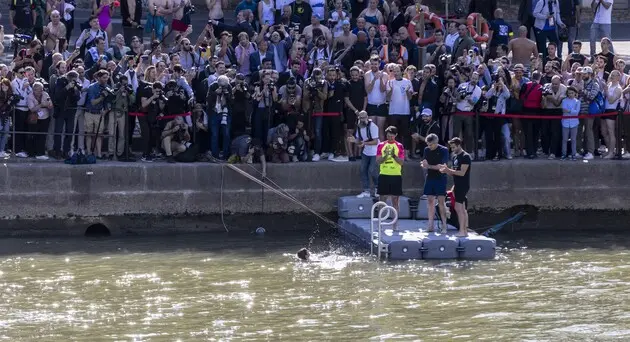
x,y
544,117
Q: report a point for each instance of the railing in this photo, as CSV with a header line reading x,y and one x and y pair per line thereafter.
x,y
619,114
384,213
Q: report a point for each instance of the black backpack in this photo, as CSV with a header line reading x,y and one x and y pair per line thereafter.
x,y
367,129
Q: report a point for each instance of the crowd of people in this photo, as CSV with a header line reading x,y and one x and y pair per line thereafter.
x,y
305,80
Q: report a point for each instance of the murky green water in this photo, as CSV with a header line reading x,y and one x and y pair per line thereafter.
x,y
212,287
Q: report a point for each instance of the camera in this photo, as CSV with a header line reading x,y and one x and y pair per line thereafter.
x,y
271,84
463,92
546,90
108,93
15,99
444,59
181,133
190,9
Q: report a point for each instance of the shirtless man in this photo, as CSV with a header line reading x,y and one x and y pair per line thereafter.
x,y
215,9
347,38
156,18
315,23
522,48
415,9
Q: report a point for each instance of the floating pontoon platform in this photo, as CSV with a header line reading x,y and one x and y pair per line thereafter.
x,y
410,240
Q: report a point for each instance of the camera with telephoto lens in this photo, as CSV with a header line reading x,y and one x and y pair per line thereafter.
x,y
444,58
546,90
15,99
108,93
181,132
271,84
463,92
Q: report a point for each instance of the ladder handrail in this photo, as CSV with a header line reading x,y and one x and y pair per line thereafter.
x,y
383,216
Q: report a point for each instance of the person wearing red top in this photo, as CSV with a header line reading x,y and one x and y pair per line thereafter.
x,y
531,93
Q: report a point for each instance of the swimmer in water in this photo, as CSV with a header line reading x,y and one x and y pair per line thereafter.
x,y
303,254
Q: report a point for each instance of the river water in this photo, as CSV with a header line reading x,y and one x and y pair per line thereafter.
x,y
542,287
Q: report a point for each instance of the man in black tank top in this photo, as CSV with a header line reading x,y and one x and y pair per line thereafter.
x,y
461,182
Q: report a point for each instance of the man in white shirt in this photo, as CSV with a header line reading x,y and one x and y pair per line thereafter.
x,y
399,92
467,96
366,137
23,88
601,26
452,36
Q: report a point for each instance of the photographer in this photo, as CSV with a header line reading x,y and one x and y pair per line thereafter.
x,y
117,121
448,98
98,95
278,142
497,129
220,100
153,105
8,100
551,130
22,88
39,104
468,94
175,138
331,123
419,137
67,95
242,98
265,95
356,101
314,98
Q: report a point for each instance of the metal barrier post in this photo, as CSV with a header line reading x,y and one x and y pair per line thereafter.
x,y
618,132
476,137
13,153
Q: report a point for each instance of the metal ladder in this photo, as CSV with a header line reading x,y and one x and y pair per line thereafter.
x,y
384,213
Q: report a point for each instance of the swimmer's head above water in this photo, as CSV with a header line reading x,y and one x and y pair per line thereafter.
x,y
303,254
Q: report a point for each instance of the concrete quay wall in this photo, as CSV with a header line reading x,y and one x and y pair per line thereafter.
x,y
42,195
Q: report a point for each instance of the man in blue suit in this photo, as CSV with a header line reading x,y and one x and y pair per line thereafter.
x,y
256,58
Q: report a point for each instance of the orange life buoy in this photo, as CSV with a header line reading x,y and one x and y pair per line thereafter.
x,y
485,30
411,28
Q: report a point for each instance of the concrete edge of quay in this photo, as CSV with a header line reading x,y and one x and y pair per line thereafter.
x,y
59,199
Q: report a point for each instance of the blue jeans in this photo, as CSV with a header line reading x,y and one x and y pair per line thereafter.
x,y
368,170
599,31
216,129
541,39
318,124
4,133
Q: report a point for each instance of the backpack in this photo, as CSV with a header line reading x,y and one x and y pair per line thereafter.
x,y
597,106
367,129
188,156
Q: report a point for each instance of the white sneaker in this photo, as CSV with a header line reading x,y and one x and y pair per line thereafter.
x,y
364,194
339,159
331,157
551,156
626,155
22,155
294,159
42,157
376,194
324,155
3,154
315,157
588,156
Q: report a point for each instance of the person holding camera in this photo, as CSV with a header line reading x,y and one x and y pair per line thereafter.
x,y
67,95
117,121
497,129
468,94
8,100
219,102
175,138
153,106
447,101
39,105
265,95
551,130
315,94
95,107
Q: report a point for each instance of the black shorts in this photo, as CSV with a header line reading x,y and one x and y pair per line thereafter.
x,y
351,119
612,117
389,185
460,195
380,110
